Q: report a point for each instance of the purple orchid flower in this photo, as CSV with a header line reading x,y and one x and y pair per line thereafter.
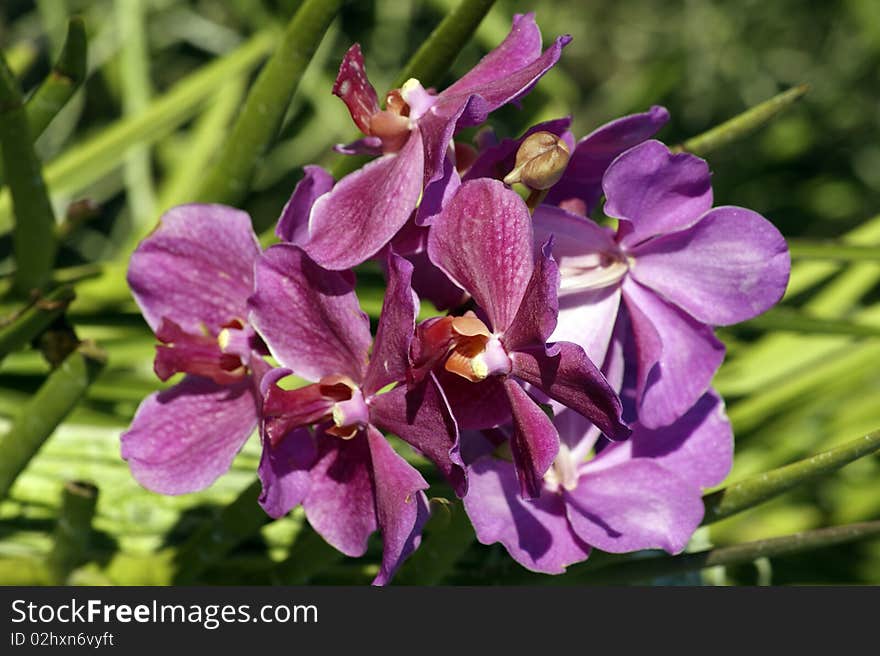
x,y
365,209
679,265
191,278
482,241
642,493
313,325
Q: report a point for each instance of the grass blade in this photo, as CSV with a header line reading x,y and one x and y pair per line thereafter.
x,y
33,320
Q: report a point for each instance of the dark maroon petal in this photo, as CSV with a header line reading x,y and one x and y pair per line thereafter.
x,y
366,208
654,191
421,417
288,410
536,317
199,355
534,441
535,532
565,373
309,318
499,160
677,356
732,265
401,506
195,268
293,226
182,438
340,504
475,406
355,89
483,241
284,472
389,360
594,153
431,284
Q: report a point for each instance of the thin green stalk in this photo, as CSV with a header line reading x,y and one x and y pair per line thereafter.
x,y
755,490
89,161
237,522
740,126
641,570
791,320
267,103
34,319
45,410
34,240
438,52
817,250
74,530
136,92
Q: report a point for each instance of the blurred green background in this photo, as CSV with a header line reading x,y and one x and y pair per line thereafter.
x,y
139,135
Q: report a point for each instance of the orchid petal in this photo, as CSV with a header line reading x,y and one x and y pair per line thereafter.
x,y
293,226
536,317
284,472
534,442
355,90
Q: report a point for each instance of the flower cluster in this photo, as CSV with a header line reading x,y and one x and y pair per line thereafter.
x,y
565,395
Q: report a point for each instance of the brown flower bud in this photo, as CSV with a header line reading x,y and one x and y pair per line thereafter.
x,y
540,161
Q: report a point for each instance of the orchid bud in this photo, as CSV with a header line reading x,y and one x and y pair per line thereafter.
x,y
540,161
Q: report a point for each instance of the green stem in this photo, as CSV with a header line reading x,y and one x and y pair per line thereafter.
x,y
73,531
817,250
741,125
237,522
797,321
757,489
45,410
649,568
34,239
34,319
267,103
438,52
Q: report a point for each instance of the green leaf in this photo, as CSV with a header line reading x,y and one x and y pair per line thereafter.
x,y
757,489
805,249
45,410
740,126
797,321
267,103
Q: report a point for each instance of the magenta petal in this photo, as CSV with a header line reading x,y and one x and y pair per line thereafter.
x,y
366,208
422,418
565,373
475,406
389,360
293,226
728,267
340,503
595,152
309,317
284,472
195,268
371,146
355,89
431,284
536,317
698,447
438,194
182,438
535,533
654,191
634,505
677,356
483,241
534,442
401,506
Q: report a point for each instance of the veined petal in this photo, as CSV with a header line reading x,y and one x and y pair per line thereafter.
x,y
535,532
182,438
654,191
366,208
293,226
309,318
536,317
730,266
284,472
401,505
422,418
587,319
483,241
677,356
355,90
565,373
594,153
389,360
195,268
634,505
340,504
534,441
